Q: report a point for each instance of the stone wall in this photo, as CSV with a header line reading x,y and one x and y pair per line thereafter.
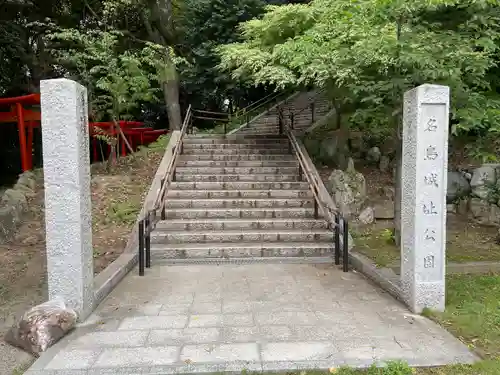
x,y
14,202
473,192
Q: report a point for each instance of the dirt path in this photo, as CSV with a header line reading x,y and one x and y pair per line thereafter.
x,y
116,200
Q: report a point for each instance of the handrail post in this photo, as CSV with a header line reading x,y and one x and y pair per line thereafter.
x,y
292,120
148,240
337,239
345,245
300,172
315,204
141,248
312,112
280,121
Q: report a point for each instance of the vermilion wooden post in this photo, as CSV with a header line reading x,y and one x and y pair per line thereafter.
x,y
29,148
94,149
22,137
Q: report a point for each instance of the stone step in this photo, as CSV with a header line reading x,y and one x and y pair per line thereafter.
x,y
234,140
262,128
231,236
241,224
205,194
237,164
240,203
238,152
241,250
238,213
239,185
181,177
237,146
237,170
237,157
235,136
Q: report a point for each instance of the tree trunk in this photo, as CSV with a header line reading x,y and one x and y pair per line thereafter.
x,y
171,96
154,22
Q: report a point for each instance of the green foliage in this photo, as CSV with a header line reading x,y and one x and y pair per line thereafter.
x,y
117,81
204,25
368,53
390,368
124,212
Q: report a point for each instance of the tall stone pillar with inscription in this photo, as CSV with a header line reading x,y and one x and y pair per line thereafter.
x,y
423,206
66,165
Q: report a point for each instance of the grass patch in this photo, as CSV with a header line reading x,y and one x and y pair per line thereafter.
x,y
473,312
465,242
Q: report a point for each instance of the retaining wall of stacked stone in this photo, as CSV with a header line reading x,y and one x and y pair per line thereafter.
x,y
14,202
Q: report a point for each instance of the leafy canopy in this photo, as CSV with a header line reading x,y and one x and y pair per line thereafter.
x,y
368,52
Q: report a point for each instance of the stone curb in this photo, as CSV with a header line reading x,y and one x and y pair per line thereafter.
x,y
384,277
14,202
108,278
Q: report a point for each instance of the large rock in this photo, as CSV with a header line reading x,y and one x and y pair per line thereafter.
x,y
373,155
458,186
384,210
367,216
384,163
356,143
483,178
348,189
484,212
12,197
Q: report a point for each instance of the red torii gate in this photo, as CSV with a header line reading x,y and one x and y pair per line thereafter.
x,y
28,119
21,115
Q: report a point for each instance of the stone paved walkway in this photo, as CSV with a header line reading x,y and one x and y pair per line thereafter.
x,y
205,318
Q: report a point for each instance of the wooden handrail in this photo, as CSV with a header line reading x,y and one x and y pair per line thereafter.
x,y
160,198
314,180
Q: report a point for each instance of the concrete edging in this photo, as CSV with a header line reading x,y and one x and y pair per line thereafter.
x,y
384,277
108,278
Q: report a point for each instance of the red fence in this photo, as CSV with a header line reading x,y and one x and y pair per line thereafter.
x,y
25,112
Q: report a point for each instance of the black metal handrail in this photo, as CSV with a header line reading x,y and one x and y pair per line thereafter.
x,y
148,223
311,105
334,218
242,116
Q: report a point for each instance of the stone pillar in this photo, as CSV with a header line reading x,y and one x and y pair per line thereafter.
x,y
423,202
66,165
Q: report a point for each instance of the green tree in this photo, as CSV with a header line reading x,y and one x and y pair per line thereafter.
x,y
117,81
205,24
368,53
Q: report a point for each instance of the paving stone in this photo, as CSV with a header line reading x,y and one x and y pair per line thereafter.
x,y
214,307
146,356
229,307
183,336
308,320
169,309
111,339
276,333
240,334
286,317
152,322
221,353
205,320
73,359
237,320
129,311
298,351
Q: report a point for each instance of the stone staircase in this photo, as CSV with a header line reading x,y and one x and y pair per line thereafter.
x,y
300,105
240,196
